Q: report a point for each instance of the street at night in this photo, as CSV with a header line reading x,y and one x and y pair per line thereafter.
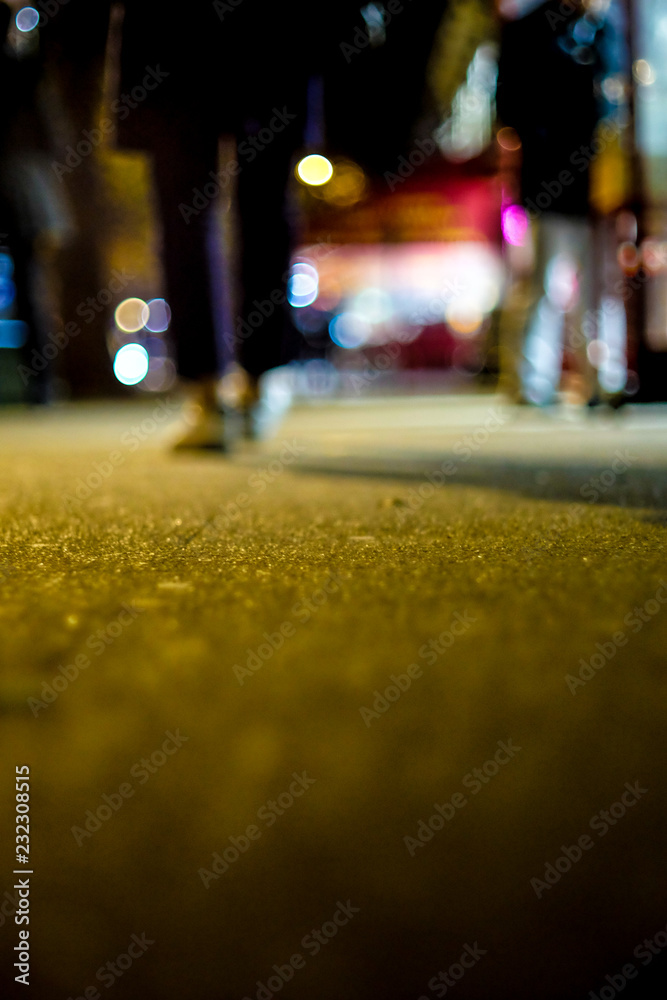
x,y
376,699
333,499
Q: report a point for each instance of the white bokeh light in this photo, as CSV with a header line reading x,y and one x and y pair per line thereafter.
x,y
27,19
303,285
131,363
349,330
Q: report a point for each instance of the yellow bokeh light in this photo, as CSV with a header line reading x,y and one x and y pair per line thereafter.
x,y
347,186
314,170
131,315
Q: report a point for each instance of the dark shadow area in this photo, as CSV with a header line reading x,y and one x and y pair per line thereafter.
x,y
583,482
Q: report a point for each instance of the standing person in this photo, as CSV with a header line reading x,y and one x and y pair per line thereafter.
x,y
549,68
34,217
243,69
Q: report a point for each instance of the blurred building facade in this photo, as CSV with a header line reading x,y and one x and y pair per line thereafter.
x,y
406,255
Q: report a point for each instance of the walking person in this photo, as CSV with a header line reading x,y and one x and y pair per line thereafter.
x,y
241,70
549,76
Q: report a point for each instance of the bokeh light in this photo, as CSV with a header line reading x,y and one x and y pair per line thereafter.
x,y
161,375
159,316
515,225
614,88
349,330
27,19
654,256
643,72
314,170
303,285
508,138
347,186
132,315
131,364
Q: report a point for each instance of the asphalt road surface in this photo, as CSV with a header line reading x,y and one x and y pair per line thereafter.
x,y
371,711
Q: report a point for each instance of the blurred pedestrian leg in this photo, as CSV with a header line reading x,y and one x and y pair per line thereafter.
x,y
562,285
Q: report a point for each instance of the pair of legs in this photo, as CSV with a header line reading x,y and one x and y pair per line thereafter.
x,y
562,298
226,283
212,322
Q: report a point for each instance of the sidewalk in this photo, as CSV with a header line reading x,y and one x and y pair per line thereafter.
x,y
355,694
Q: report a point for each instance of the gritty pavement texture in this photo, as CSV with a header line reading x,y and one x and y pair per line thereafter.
x,y
277,665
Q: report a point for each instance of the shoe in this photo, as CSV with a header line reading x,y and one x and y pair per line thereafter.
x,y
265,401
204,420
206,433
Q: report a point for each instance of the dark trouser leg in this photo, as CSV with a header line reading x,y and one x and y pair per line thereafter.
x,y
263,333
190,254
